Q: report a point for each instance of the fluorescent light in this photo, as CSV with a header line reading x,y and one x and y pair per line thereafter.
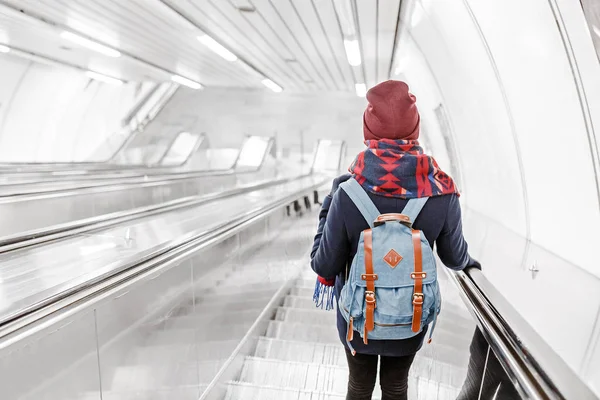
x,y
186,82
217,48
345,12
272,85
103,78
90,44
352,52
4,49
361,89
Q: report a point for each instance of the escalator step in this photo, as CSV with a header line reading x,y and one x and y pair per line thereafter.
x,y
296,375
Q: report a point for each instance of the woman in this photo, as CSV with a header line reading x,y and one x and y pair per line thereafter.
x,y
393,169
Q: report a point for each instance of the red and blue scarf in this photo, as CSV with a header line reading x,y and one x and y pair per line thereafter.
x,y
392,168
399,168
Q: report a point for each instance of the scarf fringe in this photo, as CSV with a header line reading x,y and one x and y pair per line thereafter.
x,y
323,294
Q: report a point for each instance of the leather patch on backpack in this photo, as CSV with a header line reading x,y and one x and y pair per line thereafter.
x,y
392,258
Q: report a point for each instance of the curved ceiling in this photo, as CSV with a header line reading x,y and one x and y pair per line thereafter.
x,y
298,44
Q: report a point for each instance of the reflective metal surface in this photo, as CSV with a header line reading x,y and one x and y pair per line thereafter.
x,y
31,275
166,335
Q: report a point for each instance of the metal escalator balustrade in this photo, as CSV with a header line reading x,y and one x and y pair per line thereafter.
x,y
94,335
25,208
39,275
46,234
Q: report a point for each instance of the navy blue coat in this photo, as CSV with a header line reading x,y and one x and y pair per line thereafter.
x,y
336,241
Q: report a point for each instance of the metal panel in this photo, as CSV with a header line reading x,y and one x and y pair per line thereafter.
x,y
388,18
368,27
128,23
328,17
289,13
304,67
315,27
56,364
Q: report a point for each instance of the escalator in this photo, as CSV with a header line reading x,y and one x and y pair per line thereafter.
x,y
230,315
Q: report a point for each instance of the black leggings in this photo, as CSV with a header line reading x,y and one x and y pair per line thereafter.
x,y
393,376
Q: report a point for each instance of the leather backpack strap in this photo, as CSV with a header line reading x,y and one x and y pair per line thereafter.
x,y
370,278
418,276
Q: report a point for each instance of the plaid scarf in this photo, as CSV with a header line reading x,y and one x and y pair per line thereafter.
x,y
398,168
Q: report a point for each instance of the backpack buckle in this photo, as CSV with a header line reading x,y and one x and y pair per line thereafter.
x,y
370,297
418,299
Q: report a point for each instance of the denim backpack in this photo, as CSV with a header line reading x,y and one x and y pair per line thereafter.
x,y
391,291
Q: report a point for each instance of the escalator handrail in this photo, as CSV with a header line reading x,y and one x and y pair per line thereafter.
x,y
537,371
103,184
125,270
77,227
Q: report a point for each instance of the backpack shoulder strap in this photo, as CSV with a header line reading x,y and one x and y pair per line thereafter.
x,y
414,207
361,200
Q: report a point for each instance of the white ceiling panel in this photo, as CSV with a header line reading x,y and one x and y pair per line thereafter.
x,y
289,14
388,19
314,26
327,14
222,20
304,66
367,19
296,43
40,42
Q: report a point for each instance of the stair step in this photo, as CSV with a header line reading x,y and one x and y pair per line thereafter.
x,y
303,332
248,391
303,292
418,389
297,375
300,302
315,316
318,353
311,352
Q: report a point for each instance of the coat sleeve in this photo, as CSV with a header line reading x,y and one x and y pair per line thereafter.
x,y
451,244
331,245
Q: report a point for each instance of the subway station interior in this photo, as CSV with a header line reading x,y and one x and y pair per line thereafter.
x,y
163,164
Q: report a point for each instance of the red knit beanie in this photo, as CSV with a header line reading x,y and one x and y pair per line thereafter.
x,y
391,113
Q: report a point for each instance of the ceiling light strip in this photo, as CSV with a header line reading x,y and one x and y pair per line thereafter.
x,y
217,47
186,82
361,89
272,85
90,44
244,62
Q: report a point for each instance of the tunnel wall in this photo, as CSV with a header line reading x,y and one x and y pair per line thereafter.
x,y
508,92
53,113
